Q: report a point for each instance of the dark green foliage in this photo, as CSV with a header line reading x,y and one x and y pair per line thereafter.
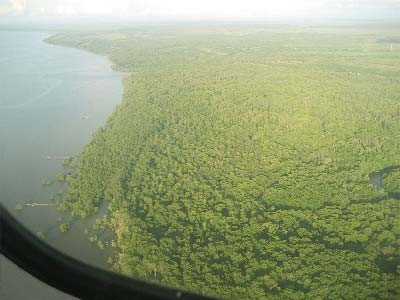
x,y
237,164
391,182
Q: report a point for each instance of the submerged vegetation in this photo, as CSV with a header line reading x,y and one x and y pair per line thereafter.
x,y
64,227
237,164
47,182
40,234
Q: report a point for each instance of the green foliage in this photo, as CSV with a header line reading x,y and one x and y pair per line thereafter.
x,y
60,177
237,164
391,182
64,227
67,161
47,182
100,245
73,165
40,235
100,224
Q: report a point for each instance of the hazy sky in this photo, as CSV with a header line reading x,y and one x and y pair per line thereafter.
x,y
202,8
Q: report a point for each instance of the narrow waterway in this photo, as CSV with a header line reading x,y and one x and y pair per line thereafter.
x,y
376,178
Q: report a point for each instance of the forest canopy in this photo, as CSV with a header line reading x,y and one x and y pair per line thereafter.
x,y
238,163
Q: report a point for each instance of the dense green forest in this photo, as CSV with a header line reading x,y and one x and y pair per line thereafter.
x,y
238,163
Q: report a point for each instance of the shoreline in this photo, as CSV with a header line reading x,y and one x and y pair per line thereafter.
x,y
37,194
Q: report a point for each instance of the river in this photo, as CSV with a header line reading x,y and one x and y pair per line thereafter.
x,y
51,101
